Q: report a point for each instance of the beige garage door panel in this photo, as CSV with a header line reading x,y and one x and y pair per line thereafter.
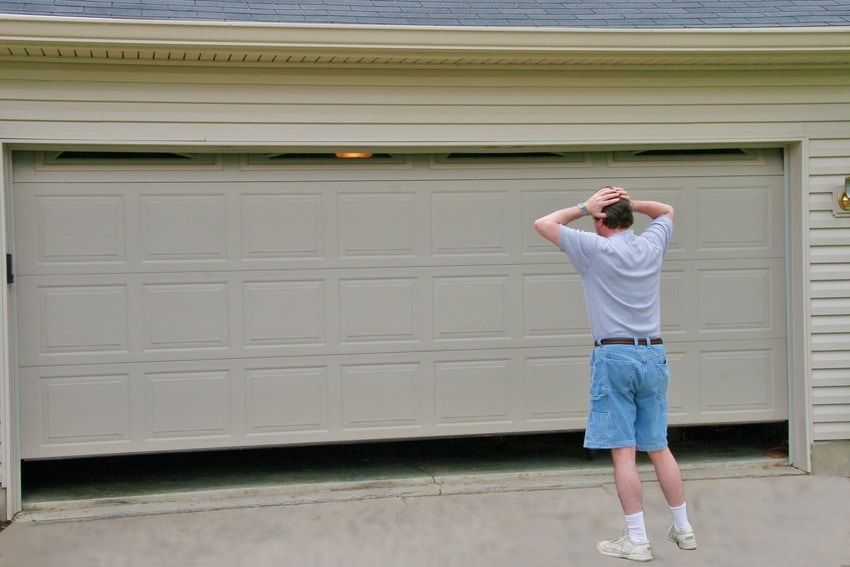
x,y
113,408
270,304
132,318
172,227
117,408
727,381
90,228
723,300
190,316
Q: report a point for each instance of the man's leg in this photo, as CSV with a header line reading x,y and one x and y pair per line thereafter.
x,y
635,544
627,479
670,478
615,400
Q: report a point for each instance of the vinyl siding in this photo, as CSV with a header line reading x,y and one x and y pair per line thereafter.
x,y
253,108
830,290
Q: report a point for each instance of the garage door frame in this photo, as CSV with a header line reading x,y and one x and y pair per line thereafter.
x,y
797,289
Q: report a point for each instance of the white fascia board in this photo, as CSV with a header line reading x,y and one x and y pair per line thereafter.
x,y
97,33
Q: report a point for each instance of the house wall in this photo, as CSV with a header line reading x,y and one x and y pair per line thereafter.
x,y
261,108
829,164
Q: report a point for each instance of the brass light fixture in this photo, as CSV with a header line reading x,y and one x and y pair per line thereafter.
x,y
844,199
353,155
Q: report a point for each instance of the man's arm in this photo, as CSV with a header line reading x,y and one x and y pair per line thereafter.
x,y
653,209
549,227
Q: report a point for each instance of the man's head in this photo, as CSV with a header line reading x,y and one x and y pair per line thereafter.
x,y
619,215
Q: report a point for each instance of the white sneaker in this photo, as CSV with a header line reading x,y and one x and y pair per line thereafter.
x,y
685,540
625,548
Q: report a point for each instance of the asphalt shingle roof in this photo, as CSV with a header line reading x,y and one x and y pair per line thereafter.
x,y
488,13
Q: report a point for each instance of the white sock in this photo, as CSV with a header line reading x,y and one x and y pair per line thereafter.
x,y
637,528
680,518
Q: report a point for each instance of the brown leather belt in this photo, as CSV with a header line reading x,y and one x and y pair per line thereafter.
x,y
623,341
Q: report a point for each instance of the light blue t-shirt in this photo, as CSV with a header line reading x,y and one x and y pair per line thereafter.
x,y
621,276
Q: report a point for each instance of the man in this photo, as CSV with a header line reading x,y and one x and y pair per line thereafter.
x,y
621,275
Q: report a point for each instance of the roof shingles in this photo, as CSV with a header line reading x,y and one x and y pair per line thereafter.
x,y
487,13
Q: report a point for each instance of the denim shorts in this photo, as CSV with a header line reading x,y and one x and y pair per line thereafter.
x,y
628,398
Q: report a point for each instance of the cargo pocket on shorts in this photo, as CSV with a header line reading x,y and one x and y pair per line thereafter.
x,y
599,418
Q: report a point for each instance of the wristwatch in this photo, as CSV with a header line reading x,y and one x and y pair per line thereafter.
x,y
582,208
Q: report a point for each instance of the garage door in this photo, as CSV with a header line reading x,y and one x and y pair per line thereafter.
x,y
178,301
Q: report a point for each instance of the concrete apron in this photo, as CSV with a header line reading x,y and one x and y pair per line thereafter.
x,y
425,485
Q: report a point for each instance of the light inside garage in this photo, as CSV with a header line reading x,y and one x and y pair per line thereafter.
x,y
354,155
328,156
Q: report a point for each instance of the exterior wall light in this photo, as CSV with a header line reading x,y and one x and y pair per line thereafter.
x,y
844,199
353,155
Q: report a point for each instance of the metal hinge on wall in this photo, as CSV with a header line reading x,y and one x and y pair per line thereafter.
x,y
10,275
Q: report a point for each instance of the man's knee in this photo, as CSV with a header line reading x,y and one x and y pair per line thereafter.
x,y
661,456
660,453
623,453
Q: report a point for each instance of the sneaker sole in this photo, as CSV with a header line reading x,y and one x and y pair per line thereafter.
x,y
680,546
622,556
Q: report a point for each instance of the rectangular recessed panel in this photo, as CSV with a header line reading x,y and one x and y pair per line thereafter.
x,y
554,306
469,223
736,380
377,224
379,395
183,227
286,399
675,302
735,217
85,409
470,307
186,316
282,226
681,383
556,388
81,228
188,404
279,313
378,310
735,299
472,391
83,319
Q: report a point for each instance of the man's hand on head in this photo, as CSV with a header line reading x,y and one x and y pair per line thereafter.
x,y
604,197
624,195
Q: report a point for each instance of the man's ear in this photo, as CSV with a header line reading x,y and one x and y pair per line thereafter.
x,y
599,226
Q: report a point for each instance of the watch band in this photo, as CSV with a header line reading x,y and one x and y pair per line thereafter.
x,y
582,208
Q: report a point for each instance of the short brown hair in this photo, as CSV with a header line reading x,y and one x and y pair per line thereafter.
x,y
619,215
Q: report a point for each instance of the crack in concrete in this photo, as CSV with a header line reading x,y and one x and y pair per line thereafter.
x,y
434,480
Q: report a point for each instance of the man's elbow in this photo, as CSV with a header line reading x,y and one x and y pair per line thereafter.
x,y
545,227
548,229
670,212
539,225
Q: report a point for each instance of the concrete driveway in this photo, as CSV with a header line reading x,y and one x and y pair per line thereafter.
x,y
776,521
